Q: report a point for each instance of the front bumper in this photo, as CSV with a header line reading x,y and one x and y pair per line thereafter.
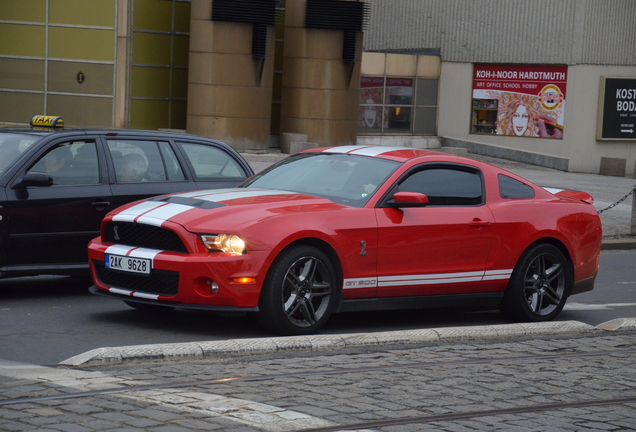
x,y
182,280
171,304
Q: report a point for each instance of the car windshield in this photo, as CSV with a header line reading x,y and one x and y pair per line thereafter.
x,y
342,178
12,145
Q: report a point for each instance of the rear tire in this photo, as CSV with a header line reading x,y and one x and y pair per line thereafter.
x,y
299,293
539,286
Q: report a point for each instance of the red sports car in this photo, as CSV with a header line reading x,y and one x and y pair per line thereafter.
x,y
354,228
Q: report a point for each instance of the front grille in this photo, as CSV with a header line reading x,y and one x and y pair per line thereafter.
x,y
141,235
161,282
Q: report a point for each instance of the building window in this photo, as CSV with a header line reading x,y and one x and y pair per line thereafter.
x,y
396,105
484,116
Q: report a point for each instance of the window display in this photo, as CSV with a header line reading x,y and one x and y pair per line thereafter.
x,y
397,105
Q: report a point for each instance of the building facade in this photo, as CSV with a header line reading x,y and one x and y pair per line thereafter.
x,y
493,52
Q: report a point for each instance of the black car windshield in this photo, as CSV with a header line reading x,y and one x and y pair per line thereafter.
x,y
342,178
12,145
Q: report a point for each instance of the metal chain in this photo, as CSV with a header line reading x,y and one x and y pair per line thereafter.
x,y
619,201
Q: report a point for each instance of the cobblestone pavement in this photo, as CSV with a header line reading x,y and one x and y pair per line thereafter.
x,y
580,382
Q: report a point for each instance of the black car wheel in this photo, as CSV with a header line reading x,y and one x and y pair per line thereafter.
x,y
299,293
539,286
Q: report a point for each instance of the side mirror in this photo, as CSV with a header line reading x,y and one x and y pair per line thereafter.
x,y
34,179
408,199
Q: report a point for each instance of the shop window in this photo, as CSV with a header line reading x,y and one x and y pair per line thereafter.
x,y
393,105
484,116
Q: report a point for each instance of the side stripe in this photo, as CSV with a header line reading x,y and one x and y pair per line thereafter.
x,y
429,279
497,275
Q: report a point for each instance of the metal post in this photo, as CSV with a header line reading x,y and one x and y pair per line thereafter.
x,y
633,229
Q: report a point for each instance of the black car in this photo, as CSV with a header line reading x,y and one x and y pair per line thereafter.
x,y
56,185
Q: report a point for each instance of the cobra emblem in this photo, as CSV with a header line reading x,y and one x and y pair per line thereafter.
x,y
363,252
116,231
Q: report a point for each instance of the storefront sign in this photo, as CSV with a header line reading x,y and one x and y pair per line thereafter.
x,y
519,100
617,109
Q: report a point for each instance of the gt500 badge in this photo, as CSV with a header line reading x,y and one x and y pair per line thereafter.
x,y
360,283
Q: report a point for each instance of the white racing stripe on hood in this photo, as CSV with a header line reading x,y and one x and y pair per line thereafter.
x,y
238,194
157,212
130,214
161,214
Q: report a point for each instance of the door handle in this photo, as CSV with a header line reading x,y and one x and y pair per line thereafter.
x,y
102,203
478,223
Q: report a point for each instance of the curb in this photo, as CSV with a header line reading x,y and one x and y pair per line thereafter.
x,y
239,347
618,244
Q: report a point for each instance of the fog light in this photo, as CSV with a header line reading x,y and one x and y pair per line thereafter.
x,y
214,287
205,287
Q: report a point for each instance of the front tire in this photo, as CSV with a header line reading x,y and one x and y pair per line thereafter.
x,y
299,293
539,286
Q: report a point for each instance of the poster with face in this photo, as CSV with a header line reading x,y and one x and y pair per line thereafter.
x,y
370,111
530,100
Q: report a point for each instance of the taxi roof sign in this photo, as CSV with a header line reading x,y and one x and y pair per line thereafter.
x,y
47,121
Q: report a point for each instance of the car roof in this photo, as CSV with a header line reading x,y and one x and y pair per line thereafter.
x,y
400,154
68,131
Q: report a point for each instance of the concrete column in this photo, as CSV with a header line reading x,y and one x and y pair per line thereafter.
x,y
229,91
123,64
319,90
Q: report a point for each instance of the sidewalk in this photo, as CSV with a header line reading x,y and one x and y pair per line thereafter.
x,y
605,190
552,382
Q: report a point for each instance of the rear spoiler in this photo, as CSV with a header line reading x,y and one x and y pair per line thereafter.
x,y
577,195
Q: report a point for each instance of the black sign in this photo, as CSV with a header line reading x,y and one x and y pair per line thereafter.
x,y
618,119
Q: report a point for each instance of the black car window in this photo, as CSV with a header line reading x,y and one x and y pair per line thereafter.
x,y
511,188
12,146
446,186
144,161
70,163
209,162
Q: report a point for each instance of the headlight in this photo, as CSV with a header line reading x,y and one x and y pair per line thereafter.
x,y
228,243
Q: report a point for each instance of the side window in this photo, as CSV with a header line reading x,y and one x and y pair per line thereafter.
x,y
144,161
210,162
11,148
72,163
511,188
446,186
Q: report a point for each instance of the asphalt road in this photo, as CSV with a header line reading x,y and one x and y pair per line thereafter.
x,y
45,320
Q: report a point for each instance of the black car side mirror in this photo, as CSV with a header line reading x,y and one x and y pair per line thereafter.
x,y
34,179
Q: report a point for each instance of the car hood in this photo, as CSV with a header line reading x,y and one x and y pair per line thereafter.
x,y
221,209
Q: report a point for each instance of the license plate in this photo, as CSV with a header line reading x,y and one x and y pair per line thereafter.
x,y
128,264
